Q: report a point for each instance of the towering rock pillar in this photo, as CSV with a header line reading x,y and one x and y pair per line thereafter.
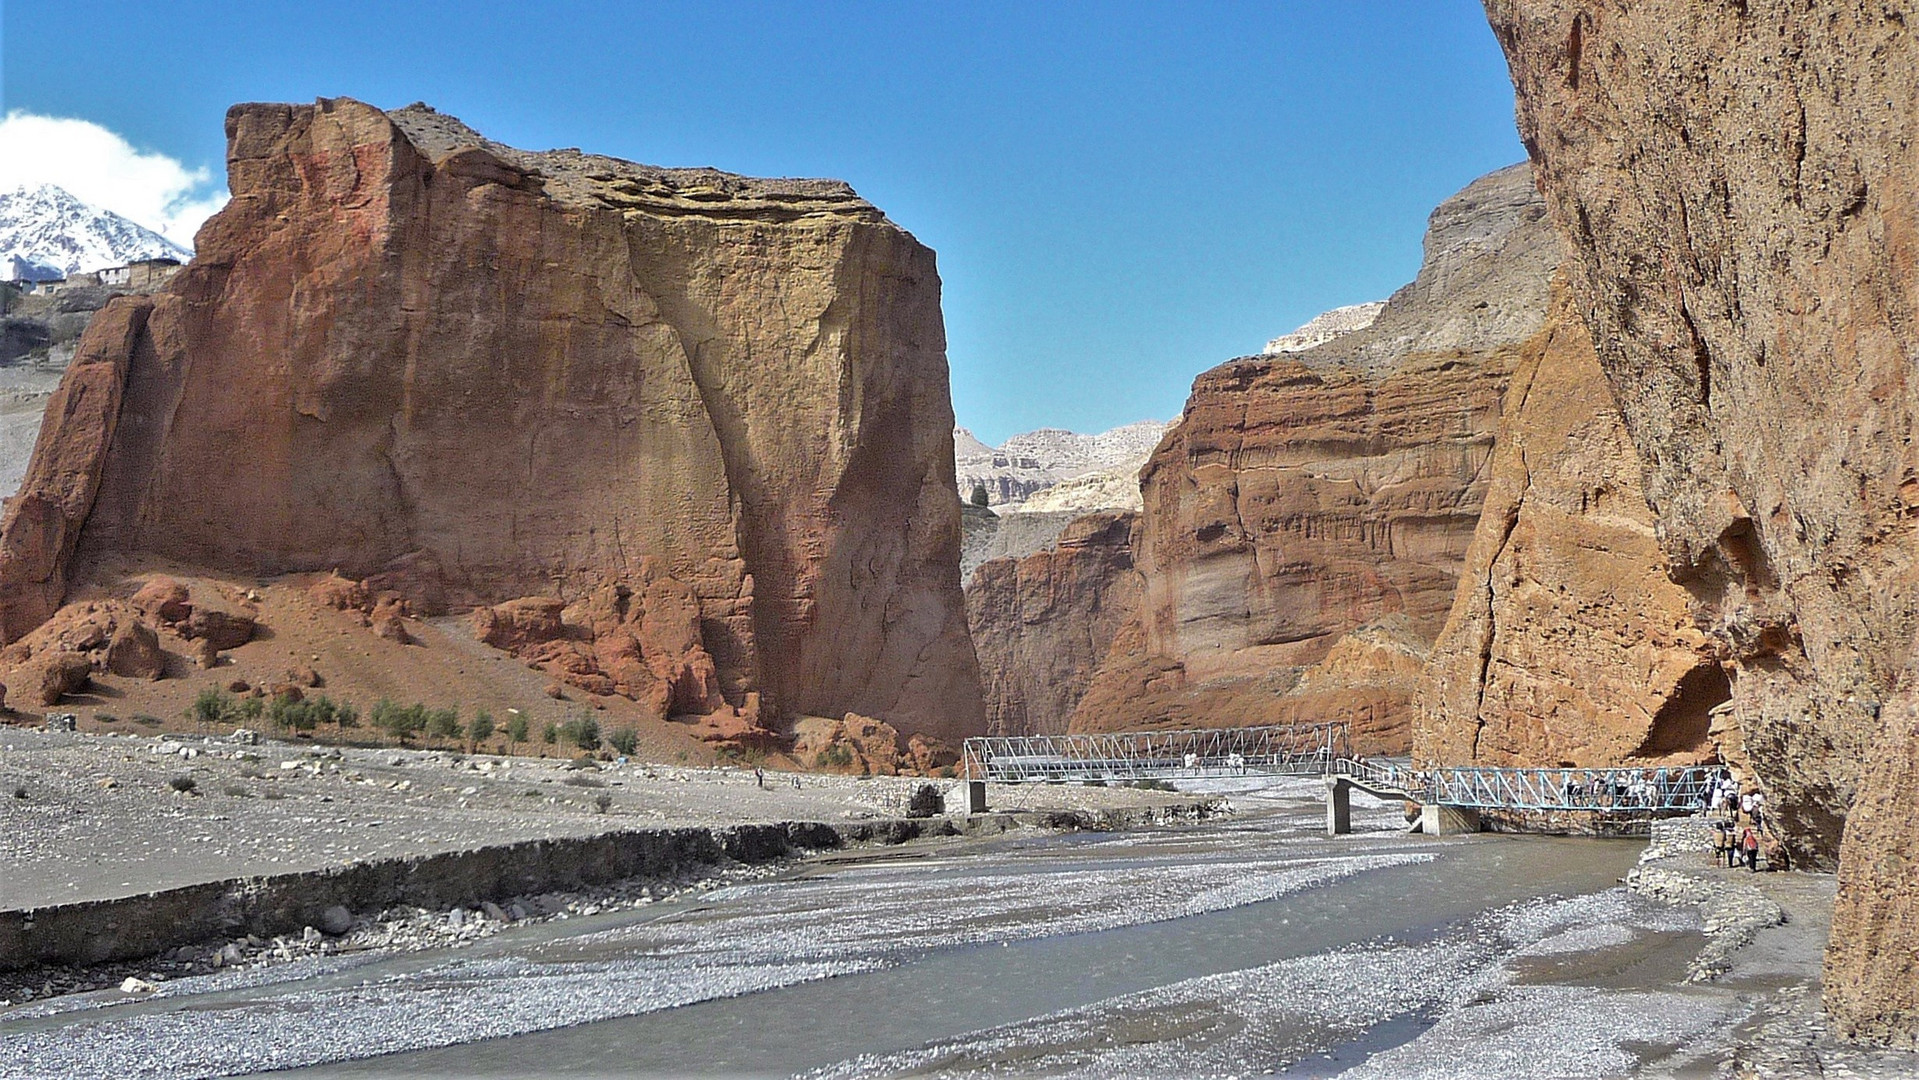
x,y
482,374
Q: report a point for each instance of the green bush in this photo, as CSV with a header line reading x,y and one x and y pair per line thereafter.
x,y
838,756
516,728
624,741
211,707
550,734
481,729
443,723
250,710
585,732
346,715
399,721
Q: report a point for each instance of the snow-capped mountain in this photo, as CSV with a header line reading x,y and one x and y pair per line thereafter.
x,y
1036,460
47,233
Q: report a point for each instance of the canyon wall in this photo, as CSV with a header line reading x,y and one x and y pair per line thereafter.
x,y
1567,644
1043,623
472,374
1737,185
1304,496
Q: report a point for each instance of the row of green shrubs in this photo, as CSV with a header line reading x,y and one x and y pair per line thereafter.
x,y
403,722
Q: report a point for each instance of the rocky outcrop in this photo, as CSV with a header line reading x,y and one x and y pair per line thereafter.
x,y
1567,644
1738,185
468,374
1302,496
1043,624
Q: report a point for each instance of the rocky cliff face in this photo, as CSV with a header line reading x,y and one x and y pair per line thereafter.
x,y
1043,624
1567,644
1737,183
1303,496
475,374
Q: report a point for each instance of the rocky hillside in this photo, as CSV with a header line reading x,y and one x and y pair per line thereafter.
x,y
1326,326
1303,497
515,382
1033,461
1737,185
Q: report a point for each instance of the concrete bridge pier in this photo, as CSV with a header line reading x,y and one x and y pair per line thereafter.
x,y
1339,806
1437,820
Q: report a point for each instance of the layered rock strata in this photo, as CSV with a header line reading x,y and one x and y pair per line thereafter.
x,y
1302,496
1737,182
1043,624
471,374
1567,644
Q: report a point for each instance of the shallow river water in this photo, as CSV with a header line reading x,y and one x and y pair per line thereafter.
x,y
1253,946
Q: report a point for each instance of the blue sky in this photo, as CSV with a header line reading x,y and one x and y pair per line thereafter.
x,y
1121,194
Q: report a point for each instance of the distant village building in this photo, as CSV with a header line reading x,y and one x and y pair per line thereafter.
x,y
140,275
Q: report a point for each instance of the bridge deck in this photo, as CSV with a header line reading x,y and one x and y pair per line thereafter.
x,y
1324,750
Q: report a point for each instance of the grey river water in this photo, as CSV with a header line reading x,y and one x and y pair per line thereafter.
x,y
1248,947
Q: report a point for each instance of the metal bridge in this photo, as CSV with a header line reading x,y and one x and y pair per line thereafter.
x,y
1451,798
1288,750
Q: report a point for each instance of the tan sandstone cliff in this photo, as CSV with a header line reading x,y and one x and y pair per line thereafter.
x,y
1567,643
1305,496
1043,624
1737,184
701,420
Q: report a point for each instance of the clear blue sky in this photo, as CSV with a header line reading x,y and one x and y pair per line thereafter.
x,y
1121,194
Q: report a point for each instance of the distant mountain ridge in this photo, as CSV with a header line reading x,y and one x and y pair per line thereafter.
x,y
1033,461
47,233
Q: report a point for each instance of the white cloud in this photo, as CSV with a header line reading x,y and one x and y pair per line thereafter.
x,y
98,166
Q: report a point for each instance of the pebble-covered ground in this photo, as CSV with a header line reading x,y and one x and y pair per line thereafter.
x,y
88,816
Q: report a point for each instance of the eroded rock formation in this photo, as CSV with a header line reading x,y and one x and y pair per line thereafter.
x,y
1567,643
1303,496
1737,183
1043,624
468,374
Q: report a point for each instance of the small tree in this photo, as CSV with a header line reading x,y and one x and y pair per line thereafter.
x,y
481,729
550,734
345,715
250,710
624,740
443,723
581,731
516,728
211,707
979,495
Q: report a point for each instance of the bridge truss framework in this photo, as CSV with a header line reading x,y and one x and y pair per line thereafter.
x,y
1325,750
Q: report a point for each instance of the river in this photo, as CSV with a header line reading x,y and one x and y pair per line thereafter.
x,y
1249,946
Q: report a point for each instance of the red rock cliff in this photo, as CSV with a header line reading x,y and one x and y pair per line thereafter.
x,y
1567,644
1043,624
1737,184
1303,496
403,350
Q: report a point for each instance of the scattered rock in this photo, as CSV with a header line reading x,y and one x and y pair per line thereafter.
x,y
131,985
163,600
134,652
336,920
222,630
